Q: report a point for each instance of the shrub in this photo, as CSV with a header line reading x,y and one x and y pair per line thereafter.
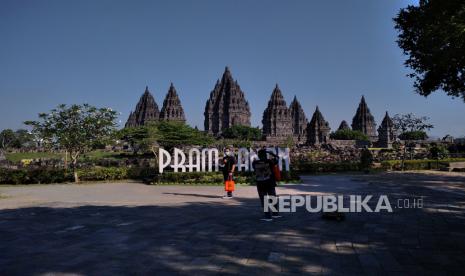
x,y
414,135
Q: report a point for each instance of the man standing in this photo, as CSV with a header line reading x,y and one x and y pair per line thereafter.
x,y
266,182
229,165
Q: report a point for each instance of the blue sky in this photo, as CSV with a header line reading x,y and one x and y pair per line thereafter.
x,y
328,53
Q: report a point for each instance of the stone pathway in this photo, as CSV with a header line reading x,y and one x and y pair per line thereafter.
x,y
134,229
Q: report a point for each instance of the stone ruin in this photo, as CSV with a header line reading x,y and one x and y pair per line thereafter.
x,y
277,121
172,109
147,109
227,107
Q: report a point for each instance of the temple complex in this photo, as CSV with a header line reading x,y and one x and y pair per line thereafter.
x,y
363,121
146,111
172,109
226,106
386,132
299,121
277,121
318,129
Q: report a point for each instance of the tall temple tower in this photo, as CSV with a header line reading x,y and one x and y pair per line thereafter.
x,y
363,121
226,106
172,109
386,132
277,121
318,129
146,111
299,121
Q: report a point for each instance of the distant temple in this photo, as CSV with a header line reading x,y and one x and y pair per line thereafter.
x,y
172,109
343,126
386,132
277,120
146,111
318,129
365,122
226,106
299,121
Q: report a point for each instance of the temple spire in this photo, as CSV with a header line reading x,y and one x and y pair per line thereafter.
x,y
172,109
363,120
146,111
277,121
226,105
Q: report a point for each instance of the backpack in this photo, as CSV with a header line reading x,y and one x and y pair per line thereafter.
x,y
262,171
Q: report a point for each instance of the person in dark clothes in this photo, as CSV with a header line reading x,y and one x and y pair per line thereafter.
x,y
266,183
229,166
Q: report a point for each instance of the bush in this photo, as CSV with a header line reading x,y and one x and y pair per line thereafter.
x,y
243,133
414,135
348,134
102,173
33,176
427,164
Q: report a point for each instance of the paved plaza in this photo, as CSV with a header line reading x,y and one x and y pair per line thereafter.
x,y
137,229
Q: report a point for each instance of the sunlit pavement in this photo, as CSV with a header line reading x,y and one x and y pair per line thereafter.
x,y
135,229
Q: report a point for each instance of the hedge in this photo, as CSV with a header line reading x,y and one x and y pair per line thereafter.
x,y
45,176
428,164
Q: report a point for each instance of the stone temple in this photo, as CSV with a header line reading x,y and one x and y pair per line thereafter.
x,y
365,122
172,109
277,120
226,106
318,129
146,111
386,132
299,121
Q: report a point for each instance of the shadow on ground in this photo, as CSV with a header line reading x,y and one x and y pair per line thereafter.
x,y
228,239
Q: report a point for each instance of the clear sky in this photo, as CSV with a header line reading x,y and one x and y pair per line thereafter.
x,y
105,52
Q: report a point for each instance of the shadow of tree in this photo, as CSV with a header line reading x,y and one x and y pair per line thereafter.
x,y
229,239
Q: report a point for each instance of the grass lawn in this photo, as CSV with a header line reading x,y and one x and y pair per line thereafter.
x,y
18,156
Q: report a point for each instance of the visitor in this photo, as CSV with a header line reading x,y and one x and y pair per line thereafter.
x,y
266,182
229,166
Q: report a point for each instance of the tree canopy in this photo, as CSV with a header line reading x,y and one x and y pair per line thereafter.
x,y
243,133
165,134
432,35
411,127
75,129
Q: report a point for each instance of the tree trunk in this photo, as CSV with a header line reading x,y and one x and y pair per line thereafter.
x,y
75,173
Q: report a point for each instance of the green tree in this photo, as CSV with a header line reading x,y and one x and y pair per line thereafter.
x,y
7,138
23,139
432,35
75,129
409,126
243,133
173,134
348,134
136,137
